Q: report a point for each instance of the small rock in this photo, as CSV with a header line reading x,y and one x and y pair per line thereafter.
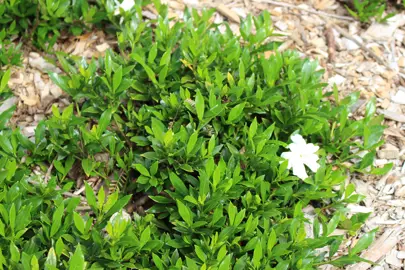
x,y
353,28
400,192
392,259
337,79
240,11
385,31
281,25
389,152
278,11
385,103
28,131
380,162
377,268
55,91
37,61
401,61
349,44
401,255
399,97
193,3
39,117
388,190
354,208
377,50
102,157
102,47
396,203
357,105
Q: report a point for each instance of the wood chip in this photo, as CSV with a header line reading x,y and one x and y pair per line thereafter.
x,y
399,117
228,13
380,248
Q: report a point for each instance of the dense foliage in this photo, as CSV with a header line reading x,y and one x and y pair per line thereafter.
x,y
366,10
193,118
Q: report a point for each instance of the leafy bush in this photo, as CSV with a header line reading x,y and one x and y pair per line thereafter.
x,y
364,10
45,20
194,119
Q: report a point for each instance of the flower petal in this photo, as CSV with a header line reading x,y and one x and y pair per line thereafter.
x,y
297,138
311,148
299,149
312,164
290,157
299,170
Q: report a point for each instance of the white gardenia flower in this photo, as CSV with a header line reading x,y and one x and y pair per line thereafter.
x,y
119,217
302,153
125,5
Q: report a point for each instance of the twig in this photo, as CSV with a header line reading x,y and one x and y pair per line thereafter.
x,y
370,52
83,208
321,13
48,173
67,194
330,39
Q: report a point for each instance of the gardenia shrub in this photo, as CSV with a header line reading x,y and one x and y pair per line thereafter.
x,y
223,146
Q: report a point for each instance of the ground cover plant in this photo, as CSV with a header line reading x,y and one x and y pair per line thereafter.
x,y
367,10
226,146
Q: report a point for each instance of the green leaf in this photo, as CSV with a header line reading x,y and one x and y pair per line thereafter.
x,y
253,128
59,81
34,263
59,246
367,160
191,142
142,170
100,198
91,198
15,253
236,112
5,144
77,261
79,223
4,80
145,236
67,112
119,205
57,219
51,258
12,216
348,259
370,109
257,254
5,117
199,105
117,78
87,165
333,223
157,261
364,242
271,241
147,69
178,184
152,53
383,170
185,213
225,264
104,121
